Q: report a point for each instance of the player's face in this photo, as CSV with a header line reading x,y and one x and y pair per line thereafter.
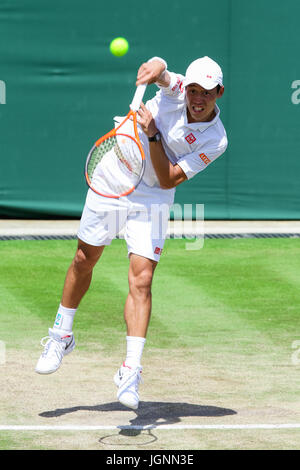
x,y
201,103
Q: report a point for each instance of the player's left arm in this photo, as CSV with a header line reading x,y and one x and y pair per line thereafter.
x,y
168,175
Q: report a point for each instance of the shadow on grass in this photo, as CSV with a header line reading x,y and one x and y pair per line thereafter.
x,y
149,412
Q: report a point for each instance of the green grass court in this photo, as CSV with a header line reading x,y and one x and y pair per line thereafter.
x,y
220,348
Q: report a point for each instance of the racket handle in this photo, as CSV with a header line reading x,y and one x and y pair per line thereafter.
x,y
138,96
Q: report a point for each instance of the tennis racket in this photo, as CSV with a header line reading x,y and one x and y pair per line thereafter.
x,y
115,164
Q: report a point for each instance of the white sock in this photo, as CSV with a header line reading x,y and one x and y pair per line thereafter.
x,y
135,346
64,319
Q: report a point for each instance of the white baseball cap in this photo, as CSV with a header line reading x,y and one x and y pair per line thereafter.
x,y
205,72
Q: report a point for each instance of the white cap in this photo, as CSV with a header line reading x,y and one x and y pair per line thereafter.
x,y
205,72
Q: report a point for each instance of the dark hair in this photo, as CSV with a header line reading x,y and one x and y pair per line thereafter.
x,y
218,88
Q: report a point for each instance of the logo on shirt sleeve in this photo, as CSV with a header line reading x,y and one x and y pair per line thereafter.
x,y
204,158
190,138
178,85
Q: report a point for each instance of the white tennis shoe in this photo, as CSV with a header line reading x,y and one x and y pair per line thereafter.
x,y
55,349
127,380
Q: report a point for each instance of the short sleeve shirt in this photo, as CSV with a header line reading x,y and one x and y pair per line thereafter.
x,y
192,146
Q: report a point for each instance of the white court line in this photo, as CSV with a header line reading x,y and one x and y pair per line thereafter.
x,y
150,426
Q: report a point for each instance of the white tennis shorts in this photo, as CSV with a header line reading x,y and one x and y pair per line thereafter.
x,y
143,224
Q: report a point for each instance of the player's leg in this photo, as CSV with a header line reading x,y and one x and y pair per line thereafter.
x,y
77,282
137,314
60,341
145,245
94,233
79,274
139,300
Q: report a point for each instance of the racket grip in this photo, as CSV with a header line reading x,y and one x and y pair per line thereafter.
x,y
138,96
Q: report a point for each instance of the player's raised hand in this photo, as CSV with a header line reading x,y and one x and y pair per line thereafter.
x,y
150,72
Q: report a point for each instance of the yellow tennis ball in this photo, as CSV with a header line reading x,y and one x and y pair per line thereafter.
x,y
119,47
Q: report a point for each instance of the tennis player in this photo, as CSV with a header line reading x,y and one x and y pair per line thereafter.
x,y
182,134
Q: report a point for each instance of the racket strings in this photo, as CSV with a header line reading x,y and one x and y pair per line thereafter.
x,y
130,155
130,165
115,165
99,152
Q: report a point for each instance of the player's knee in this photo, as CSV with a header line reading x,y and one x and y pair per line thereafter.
x,y
84,260
140,284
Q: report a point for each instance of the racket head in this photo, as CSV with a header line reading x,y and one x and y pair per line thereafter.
x,y
115,164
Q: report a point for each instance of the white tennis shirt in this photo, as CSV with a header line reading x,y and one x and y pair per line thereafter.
x,y
192,146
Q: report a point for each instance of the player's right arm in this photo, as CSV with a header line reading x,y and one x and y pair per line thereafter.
x,y
168,175
154,71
